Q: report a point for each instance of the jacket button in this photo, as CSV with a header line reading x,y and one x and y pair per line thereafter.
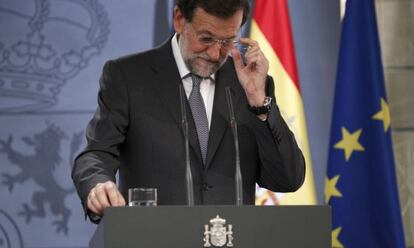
x,y
206,187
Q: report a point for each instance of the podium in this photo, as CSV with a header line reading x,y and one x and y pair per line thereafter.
x,y
214,226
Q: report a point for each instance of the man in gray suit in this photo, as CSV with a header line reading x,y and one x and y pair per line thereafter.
x,y
136,129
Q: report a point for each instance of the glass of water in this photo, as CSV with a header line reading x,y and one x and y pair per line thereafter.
x,y
142,197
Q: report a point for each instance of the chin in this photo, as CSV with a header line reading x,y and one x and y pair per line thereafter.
x,y
205,68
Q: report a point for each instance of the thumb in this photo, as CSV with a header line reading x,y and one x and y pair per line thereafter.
x,y
237,58
121,199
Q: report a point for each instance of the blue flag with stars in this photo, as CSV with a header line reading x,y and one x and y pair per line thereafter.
x,y
361,183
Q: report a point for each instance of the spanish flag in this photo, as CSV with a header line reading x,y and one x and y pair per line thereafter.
x,y
271,28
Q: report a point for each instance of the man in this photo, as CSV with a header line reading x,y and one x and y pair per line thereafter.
x,y
137,131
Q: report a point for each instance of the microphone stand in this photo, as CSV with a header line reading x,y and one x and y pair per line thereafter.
x,y
188,174
233,124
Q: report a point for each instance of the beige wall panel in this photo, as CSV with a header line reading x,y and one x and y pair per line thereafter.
x,y
396,28
400,91
404,158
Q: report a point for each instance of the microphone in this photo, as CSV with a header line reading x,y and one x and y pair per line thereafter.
x,y
184,125
233,124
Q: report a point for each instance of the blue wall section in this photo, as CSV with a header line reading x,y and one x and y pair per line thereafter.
x,y
51,56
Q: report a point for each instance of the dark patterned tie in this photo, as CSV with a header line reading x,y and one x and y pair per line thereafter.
x,y
198,110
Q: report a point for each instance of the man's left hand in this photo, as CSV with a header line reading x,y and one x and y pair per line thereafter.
x,y
252,74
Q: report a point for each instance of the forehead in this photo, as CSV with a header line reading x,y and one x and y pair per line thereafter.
x,y
206,23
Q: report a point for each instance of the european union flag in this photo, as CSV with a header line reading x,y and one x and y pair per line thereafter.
x,y
361,182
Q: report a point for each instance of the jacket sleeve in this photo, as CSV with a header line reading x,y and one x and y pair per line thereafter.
x,y
282,162
99,161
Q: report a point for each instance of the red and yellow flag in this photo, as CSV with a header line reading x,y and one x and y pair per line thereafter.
x,y
271,28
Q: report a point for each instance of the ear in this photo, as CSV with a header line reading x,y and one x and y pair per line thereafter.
x,y
178,20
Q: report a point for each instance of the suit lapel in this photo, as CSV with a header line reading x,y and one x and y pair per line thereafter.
x,y
166,84
225,77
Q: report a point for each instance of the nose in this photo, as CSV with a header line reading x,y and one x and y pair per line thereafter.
x,y
214,51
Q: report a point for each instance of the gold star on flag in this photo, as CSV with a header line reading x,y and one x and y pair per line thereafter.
x,y
383,115
349,142
330,188
335,241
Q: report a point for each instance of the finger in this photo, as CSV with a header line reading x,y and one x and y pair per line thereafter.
x,y
93,203
92,207
252,50
112,193
252,59
252,55
249,42
238,61
101,195
256,57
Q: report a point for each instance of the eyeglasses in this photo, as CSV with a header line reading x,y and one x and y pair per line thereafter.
x,y
208,40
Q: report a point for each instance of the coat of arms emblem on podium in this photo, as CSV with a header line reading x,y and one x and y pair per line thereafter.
x,y
218,235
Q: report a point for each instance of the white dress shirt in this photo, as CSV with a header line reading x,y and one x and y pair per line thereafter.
x,y
207,85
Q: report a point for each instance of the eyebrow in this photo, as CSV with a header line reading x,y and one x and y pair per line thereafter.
x,y
206,32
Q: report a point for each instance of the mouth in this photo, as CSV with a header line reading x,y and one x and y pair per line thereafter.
x,y
203,65
207,61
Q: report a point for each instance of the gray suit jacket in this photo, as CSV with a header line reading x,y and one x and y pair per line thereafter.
x,y
136,130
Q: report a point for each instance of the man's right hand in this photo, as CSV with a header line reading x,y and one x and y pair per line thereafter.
x,y
104,195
